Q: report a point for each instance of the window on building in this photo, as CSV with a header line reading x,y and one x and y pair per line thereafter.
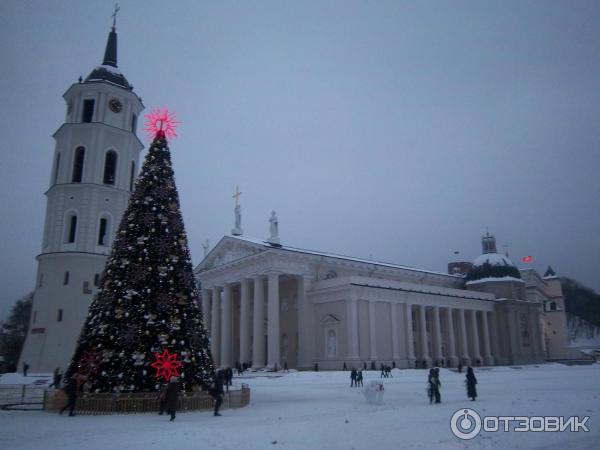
x,y
102,231
132,176
552,306
110,167
72,229
88,111
56,168
86,287
59,315
78,165
66,280
133,123
96,279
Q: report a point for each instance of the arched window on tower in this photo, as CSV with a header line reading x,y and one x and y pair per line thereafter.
x,y
133,123
103,231
72,228
78,165
110,167
56,168
132,176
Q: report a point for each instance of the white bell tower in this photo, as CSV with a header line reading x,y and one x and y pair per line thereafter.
x,y
95,163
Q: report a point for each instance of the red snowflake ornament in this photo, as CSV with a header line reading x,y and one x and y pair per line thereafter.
x,y
161,122
166,365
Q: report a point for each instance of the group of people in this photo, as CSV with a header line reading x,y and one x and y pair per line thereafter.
x,y
386,371
434,385
356,377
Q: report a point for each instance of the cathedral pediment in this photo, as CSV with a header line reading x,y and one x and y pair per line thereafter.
x,y
228,250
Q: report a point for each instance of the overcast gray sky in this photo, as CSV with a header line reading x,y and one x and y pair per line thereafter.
x,y
397,130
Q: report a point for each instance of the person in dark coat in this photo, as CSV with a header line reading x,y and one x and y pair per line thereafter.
x,y
216,392
56,378
25,369
161,398
460,366
171,397
359,378
72,388
353,375
434,385
471,381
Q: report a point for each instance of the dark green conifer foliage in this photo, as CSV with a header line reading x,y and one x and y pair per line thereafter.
x,y
147,299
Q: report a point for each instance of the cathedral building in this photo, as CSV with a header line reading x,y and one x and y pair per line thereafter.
x,y
95,164
271,305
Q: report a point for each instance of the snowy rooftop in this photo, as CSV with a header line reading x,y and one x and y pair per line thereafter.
x,y
336,256
494,259
499,279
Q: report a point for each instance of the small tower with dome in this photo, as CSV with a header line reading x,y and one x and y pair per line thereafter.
x,y
95,162
494,272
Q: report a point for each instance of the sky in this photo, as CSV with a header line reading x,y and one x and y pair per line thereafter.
x,y
392,130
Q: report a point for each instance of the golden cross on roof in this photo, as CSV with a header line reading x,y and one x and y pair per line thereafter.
x,y
237,196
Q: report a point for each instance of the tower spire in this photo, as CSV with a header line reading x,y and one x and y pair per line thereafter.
x,y
110,54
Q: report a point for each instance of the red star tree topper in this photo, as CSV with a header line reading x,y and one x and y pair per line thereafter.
x,y
166,365
161,122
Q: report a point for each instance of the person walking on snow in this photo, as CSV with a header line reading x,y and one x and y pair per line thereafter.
x,y
471,381
353,375
216,392
171,397
434,386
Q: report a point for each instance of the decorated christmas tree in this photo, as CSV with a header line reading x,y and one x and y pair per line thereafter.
x,y
144,325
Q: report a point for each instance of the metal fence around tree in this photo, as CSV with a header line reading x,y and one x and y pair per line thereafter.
x,y
131,403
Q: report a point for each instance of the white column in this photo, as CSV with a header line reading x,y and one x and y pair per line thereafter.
x,y
464,348
423,332
494,333
215,329
372,331
226,329
306,334
245,321
395,340
352,330
452,358
487,352
410,339
475,332
258,329
206,309
273,321
437,331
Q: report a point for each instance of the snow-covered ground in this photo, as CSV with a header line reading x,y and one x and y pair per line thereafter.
x,y
310,410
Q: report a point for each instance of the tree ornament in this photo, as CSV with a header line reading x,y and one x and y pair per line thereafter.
x,y
166,365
